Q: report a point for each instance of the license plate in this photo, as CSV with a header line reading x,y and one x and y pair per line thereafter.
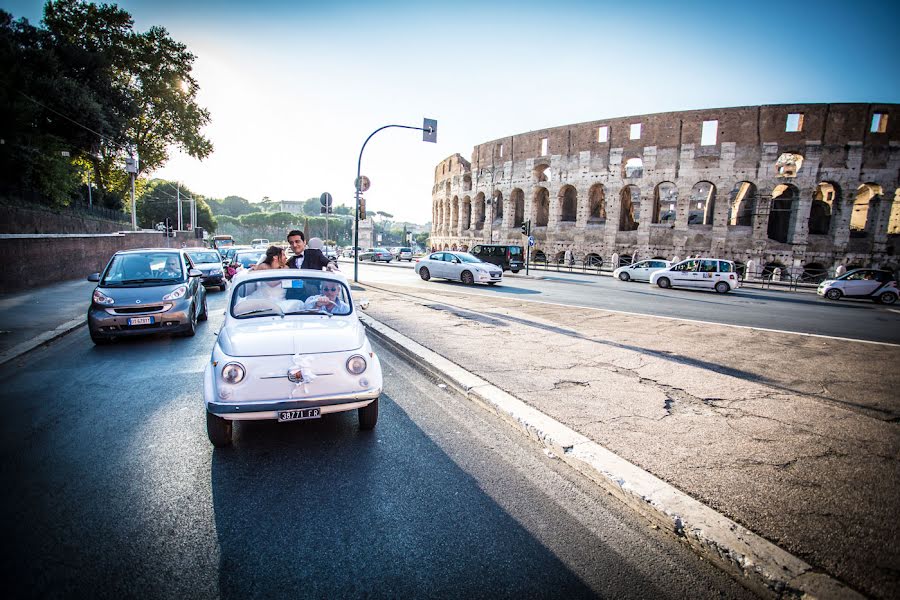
x,y
140,321
297,415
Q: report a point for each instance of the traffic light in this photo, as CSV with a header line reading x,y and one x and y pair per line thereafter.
x,y
362,208
526,227
168,227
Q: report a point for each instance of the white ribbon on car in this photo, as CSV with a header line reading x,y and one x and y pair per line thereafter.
x,y
304,363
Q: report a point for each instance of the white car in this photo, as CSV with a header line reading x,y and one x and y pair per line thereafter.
x,y
641,270
262,243
700,273
291,348
458,266
872,284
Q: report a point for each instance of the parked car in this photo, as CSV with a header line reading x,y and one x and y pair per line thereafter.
x,y
210,264
260,243
284,354
146,291
376,254
702,273
641,270
872,284
507,257
458,266
403,253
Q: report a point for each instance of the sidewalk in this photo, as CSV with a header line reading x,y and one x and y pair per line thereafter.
x,y
716,440
801,455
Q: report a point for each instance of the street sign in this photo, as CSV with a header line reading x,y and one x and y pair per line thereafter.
x,y
531,240
131,165
363,183
325,199
429,130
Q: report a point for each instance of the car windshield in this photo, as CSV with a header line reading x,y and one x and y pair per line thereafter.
x,y
248,259
467,258
143,269
204,257
290,296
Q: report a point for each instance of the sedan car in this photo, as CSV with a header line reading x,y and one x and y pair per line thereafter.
x,y
146,291
291,348
871,284
376,254
642,270
458,266
210,264
247,258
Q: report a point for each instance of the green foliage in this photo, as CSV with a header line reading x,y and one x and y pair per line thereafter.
x,y
233,206
159,200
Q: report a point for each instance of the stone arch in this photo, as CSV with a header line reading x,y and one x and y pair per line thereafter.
x,y
630,208
742,203
568,201
560,257
821,209
467,182
593,260
702,203
866,198
894,219
665,201
597,204
788,164
479,211
633,168
446,246
466,212
453,247
539,256
541,207
445,205
498,207
517,199
454,214
781,212
814,272
447,187
775,270
542,173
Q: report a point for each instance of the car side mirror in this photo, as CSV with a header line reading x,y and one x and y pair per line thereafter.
x,y
95,277
363,303
195,273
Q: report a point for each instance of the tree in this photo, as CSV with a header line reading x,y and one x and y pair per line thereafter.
x,y
159,200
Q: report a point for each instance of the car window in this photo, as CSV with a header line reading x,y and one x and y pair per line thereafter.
x,y
688,265
640,265
143,269
856,276
248,259
468,258
725,266
204,257
515,250
290,296
436,256
709,266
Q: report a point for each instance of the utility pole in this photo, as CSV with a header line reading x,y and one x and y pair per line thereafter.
x,y
131,167
180,219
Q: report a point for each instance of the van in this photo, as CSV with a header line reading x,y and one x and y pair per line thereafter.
x,y
260,243
701,273
508,258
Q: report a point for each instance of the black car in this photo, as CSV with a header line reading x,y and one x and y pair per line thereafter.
x,y
508,258
209,262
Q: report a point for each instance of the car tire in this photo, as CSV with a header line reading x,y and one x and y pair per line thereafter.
x,y
219,430
223,287
722,287
424,273
624,276
368,416
834,294
886,298
192,326
204,314
664,283
515,270
467,278
100,340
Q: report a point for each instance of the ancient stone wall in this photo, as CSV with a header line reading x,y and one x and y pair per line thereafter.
x,y
802,185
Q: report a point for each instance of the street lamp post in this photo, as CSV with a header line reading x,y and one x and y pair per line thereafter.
x,y
429,134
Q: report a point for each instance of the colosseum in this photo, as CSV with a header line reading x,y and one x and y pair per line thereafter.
x,y
801,187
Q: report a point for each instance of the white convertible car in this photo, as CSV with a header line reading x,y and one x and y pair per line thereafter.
x,y
291,348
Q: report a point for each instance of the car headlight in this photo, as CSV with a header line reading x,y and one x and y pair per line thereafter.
x,y
179,292
216,272
233,373
101,298
356,364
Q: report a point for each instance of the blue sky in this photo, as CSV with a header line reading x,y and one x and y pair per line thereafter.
x,y
294,88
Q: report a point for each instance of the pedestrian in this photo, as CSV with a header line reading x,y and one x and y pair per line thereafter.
x,y
304,258
841,269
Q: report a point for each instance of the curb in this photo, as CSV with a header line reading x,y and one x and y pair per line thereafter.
x,y
44,338
755,562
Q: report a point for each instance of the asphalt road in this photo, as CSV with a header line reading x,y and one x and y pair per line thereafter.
x,y
112,490
801,312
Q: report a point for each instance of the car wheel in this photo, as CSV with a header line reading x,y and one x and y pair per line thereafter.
x,y
834,294
368,415
218,430
664,282
624,276
887,298
515,270
204,314
223,287
424,274
467,278
100,340
722,287
192,326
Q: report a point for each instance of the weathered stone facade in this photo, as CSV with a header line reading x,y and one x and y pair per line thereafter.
x,y
798,186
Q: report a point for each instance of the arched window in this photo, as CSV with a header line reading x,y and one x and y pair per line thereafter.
x,y
466,213
597,204
541,207
866,197
788,165
542,173
702,204
821,209
517,199
665,201
743,204
454,214
781,212
630,208
568,197
467,182
894,220
479,211
634,167
498,207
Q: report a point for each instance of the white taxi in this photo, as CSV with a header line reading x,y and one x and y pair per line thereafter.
x,y
291,348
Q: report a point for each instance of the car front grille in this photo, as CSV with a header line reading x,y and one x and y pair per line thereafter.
x,y
138,310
